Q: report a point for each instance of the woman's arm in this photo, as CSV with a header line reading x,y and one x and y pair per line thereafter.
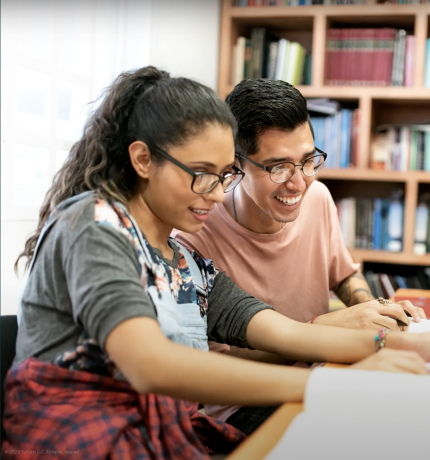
x,y
271,332
153,364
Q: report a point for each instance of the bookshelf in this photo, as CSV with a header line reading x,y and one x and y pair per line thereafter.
x,y
378,104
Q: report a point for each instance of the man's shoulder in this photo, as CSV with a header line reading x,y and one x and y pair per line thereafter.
x,y
318,190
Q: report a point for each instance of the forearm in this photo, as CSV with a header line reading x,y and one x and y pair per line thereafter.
x,y
354,290
161,366
258,355
269,332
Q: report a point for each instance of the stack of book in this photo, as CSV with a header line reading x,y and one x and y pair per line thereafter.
x,y
401,148
336,133
427,65
375,224
297,2
386,284
260,57
381,57
422,230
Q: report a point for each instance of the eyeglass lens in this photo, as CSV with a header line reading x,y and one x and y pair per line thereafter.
x,y
204,183
284,171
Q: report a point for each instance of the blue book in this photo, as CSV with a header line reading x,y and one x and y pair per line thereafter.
x,y
401,281
345,137
385,236
377,240
427,65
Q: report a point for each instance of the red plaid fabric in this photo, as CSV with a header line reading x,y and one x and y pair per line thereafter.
x,y
55,413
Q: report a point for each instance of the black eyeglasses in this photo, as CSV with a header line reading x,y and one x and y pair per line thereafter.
x,y
282,172
204,182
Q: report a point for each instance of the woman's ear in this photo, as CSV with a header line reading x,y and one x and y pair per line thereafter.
x,y
140,158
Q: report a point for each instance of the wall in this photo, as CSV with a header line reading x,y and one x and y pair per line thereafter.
x,y
180,36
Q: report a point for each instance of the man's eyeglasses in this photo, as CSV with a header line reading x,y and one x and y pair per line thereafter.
x,y
205,182
282,172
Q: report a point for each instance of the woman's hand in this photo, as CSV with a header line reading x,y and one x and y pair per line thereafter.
x,y
388,360
421,344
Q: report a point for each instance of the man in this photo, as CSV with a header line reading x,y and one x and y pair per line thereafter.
x,y
277,235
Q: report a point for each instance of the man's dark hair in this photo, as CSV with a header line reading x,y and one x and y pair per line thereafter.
x,y
260,104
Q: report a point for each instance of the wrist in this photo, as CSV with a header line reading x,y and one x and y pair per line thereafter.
x,y
402,341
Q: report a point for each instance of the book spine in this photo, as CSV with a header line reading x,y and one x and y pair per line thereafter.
x,y
413,151
410,61
420,150
345,137
377,224
427,65
273,55
427,152
257,47
355,128
395,225
421,224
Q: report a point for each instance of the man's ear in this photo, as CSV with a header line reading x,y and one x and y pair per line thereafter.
x,y
140,158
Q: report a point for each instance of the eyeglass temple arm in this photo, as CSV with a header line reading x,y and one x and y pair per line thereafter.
x,y
253,162
176,162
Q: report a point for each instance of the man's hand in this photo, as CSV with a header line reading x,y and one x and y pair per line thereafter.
x,y
417,313
367,315
388,360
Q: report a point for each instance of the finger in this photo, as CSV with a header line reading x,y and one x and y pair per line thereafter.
x,y
412,364
393,311
416,312
385,322
404,361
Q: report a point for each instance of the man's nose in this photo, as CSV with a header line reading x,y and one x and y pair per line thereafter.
x,y
297,180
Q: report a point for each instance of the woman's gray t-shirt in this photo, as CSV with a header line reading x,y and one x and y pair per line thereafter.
x,y
86,277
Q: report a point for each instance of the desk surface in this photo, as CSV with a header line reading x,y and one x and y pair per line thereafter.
x,y
260,443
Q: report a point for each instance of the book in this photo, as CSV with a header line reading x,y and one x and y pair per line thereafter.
x,y
421,226
427,65
419,297
410,61
239,60
258,36
338,420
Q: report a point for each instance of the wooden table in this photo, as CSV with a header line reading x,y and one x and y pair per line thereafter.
x,y
264,438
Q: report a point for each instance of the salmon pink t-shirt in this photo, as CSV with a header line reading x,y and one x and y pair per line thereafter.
x,y
293,270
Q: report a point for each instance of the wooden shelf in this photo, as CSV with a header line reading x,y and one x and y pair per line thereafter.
x,y
400,258
329,10
377,104
374,175
357,92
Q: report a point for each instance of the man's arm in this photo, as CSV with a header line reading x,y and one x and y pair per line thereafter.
x,y
354,290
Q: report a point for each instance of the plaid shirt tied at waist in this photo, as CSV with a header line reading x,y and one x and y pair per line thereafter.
x,y
55,413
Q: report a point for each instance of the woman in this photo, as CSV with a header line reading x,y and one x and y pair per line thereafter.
x,y
115,313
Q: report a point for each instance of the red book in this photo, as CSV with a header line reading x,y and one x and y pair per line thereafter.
x,y
367,57
360,56
419,297
333,40
340,62
348,51
384,56
355,134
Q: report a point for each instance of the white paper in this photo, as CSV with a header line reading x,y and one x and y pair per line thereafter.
x,y
326,437
423,326
356,415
